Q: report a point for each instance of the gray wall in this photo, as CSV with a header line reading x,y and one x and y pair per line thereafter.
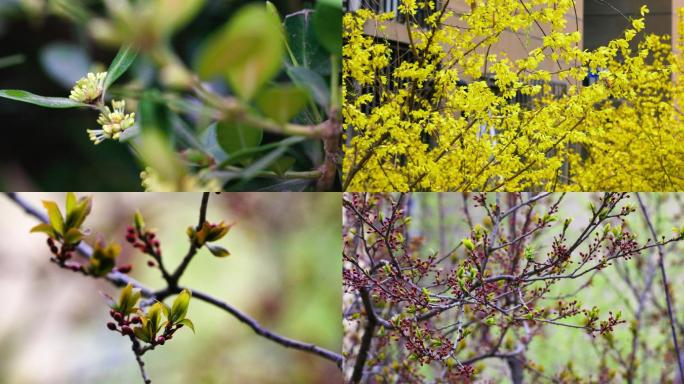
x,y
603,23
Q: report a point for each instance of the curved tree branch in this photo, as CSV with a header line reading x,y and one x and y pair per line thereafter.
x,y
120,279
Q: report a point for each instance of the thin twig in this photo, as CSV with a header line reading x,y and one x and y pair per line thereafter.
x,y
173,279
119,279
668,300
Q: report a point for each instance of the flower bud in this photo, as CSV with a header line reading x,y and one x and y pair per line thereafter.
x,y
150,263
111,326
125,268
126,330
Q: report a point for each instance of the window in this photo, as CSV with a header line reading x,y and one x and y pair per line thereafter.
x,y
384,6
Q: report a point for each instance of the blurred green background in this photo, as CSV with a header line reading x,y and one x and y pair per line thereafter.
x,y
45,45
284,271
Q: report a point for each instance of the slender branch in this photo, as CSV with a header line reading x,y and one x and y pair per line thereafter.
x,y
256,327
368,332
119,279
173,279
138,358
668,299
116,278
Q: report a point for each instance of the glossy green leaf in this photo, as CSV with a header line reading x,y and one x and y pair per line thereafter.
x,y
48,102
171,15
45,228
282,165
328,25
246,50
218,250
282,102
233,136
124,58
55,216
313,83
306,49
180,306
188,323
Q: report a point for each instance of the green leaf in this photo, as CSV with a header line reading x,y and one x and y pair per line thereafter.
x,y
234,157
306,49
171,15
45,228
233,136
217,250
142,334
313,83
210,144
48,102
55,216
188,323
154,315
124,58
246,50
73,236
71,202
282,102
9,61
78,213
180,306
138,221
263,163
282,165
328,25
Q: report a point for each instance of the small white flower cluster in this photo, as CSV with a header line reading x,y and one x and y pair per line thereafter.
x,y
113,123
88,88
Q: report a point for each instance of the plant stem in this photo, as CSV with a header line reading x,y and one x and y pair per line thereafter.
x,y
173,280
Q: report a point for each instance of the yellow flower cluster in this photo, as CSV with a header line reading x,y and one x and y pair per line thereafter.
x,y
426,130
114,122
89,88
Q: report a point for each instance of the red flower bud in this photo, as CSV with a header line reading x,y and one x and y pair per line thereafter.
x,y
150,263
156,243
161,340
151,235
117,316
54,250
130,229
126,330
130,238
111,326
50,242
125,268
135,320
